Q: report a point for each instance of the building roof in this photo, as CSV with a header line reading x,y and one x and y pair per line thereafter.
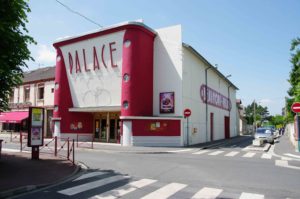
x,y
47,73
191,49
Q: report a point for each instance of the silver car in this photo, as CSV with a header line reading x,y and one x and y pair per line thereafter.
x,y
265,134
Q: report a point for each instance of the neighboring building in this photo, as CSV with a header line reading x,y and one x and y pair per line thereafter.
x,y
131,84
36,90
241,117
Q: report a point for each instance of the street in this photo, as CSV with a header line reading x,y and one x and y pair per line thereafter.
x,y
228,170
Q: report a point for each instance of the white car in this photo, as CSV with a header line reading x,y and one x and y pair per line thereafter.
x,y
265,134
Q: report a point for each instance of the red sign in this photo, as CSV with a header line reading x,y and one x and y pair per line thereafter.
x,y
296,107
187,112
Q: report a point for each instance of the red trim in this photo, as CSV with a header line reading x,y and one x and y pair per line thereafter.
x,y
105,32
149,128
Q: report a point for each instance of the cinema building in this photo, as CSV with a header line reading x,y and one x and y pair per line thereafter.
x,y
131,84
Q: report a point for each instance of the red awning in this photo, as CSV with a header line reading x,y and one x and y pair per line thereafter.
x,y
13,117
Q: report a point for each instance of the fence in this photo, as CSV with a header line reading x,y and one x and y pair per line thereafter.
x,y
85,141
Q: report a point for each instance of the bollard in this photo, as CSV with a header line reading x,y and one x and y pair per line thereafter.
x,y
55,146
73,146
68,156
21,142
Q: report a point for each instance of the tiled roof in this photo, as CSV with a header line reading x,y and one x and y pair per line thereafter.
x,y
39,74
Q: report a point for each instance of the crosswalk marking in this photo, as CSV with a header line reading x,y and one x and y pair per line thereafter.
x,y
232,153
121,191
251,196
201,152
249,155
180,150
89,175
207,193
216,153
266,156
165,191
91,185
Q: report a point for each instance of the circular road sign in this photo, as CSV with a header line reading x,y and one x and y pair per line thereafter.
x,y
296,107
187,112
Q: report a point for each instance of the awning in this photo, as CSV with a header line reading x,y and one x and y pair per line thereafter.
x,y
13,117
96,109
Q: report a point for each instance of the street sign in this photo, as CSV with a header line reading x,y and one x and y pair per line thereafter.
x,y
187,112
296,107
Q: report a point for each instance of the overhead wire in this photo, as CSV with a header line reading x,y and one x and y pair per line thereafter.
x,y
78,13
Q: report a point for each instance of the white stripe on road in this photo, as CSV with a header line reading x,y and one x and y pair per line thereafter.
x,y
91,185
207,193
266,156
180,151
251,196
292,155
249,155
165,191
89,175
216,153
232,153
121,191
201,152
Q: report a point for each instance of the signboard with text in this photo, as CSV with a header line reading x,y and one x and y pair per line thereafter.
x,y
36,127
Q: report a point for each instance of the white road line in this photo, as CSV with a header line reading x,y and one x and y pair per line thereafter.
x,y
207,193
180,151
281,163
292,155
266,156
201,152
249,155
14,150
91,185
216,153
89,175
165,191
251,196
232,153
121,191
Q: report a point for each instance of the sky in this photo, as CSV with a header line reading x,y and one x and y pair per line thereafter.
x,y
249,40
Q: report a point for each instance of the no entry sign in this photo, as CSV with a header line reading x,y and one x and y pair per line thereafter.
x,y
296,107
187,112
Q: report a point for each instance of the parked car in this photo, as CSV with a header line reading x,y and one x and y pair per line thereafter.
x,y
266,134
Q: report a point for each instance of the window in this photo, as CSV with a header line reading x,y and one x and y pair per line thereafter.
x,y
11,97
41,92
26,94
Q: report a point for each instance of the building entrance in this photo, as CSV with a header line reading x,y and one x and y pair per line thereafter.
x,y
107,127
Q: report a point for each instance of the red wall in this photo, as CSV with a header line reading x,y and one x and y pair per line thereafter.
x,y
167,128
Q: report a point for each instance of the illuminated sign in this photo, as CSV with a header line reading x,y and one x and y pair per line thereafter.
x,y
214,98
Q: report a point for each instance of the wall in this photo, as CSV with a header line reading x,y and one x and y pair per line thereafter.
x,y
168,68
193,78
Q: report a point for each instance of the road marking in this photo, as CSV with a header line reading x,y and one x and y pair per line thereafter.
x,y
180,151
207,193
249,155
91,185
201,152
123,190
292,155
216,153
281,163
251,196
165,191
232,153
266,156
89,175
14,150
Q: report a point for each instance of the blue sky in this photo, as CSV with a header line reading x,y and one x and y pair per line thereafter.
x,y
248,39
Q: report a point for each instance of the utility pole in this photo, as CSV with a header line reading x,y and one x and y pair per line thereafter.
x,y
254,118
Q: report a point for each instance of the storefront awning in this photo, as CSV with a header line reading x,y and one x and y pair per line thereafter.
x,y
96,109
13,117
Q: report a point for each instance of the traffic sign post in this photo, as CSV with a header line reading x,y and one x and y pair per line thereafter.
x,y
187,113
296,109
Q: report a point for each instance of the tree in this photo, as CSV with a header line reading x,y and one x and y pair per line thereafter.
x,y
261,113
294,80
277,120
14,43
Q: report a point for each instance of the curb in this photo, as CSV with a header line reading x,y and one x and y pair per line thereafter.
x,y
29,188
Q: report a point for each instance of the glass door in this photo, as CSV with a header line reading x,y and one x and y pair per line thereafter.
x,y
97,129
112,130
103,130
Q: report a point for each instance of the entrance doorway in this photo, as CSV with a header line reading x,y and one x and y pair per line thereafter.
x,y
227,127
106,127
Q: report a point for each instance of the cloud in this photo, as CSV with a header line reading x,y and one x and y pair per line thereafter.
x,y
46,55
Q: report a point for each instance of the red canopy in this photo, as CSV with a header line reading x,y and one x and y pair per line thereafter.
x,y
13,117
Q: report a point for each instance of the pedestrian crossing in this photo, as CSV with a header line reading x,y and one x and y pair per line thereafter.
x,y
92,184
242,154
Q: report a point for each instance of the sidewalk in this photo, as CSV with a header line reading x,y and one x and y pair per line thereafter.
x,y
18,173
284,146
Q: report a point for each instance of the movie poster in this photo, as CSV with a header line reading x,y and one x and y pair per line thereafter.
x,y
167,103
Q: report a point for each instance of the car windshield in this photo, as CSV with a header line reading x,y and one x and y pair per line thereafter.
x,y
263,131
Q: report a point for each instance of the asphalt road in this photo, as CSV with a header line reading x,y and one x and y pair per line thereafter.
x,y
226,171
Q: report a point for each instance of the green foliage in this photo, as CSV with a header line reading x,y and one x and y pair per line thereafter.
x,y
261,113
13,46
278,121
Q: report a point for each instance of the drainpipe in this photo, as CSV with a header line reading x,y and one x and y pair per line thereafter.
x,y
206,105
229,109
